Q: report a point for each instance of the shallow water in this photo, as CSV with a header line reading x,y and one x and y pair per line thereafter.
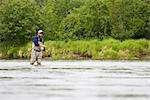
x,y
75,80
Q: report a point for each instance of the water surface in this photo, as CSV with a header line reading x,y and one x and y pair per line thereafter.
x,y
75,80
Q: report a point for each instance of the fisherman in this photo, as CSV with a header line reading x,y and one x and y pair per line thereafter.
x,y
37,48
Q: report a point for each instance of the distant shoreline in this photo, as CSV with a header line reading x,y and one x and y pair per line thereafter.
x,y
109,49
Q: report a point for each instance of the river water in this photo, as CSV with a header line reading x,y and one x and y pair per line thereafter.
x,y
75,80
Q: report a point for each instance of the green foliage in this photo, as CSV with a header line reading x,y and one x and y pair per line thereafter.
x,y
88,21
74,19
19,20
120,19
129,18
92,49
110,54
54,12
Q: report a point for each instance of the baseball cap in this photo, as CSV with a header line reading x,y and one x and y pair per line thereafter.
x,y
40,31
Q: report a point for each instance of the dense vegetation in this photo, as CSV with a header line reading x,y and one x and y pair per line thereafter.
x,y
81,49
76,27
74,19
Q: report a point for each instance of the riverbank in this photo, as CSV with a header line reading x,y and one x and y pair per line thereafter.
x,y
109,49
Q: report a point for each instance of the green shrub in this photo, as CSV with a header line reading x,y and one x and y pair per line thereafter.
x,y
110,54
92,49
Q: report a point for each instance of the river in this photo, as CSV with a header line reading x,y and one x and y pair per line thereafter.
x,y
75,80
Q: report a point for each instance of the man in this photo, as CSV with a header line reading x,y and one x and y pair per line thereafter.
x,y
37,48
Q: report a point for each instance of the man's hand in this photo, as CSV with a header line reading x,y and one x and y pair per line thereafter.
x,y
42,46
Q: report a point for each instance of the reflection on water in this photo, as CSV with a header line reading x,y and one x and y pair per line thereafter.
x,y
75,80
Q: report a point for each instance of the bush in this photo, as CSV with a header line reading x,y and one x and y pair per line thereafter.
x,y
19,20
110,54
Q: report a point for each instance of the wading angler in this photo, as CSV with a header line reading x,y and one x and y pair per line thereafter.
x,y
37,48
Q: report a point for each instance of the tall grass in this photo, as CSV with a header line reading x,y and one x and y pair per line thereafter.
x,y
92,49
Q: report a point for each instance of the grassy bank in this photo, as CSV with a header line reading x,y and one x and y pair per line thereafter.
x,y
92,49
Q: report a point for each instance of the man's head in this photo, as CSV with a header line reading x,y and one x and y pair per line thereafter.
x,y
40,33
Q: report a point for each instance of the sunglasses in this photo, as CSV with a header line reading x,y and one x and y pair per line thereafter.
x,y
41,33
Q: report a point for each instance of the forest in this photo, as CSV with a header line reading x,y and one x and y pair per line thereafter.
x,y
73,20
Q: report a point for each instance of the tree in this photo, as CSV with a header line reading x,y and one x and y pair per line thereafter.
x,y
129,18
74,19
89,21
54,12
19,20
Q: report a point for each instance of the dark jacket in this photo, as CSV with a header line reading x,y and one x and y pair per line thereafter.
x,y
37,39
